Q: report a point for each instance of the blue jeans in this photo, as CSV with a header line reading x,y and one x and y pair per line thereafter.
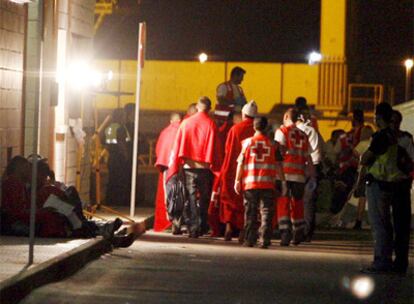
x,y
379,212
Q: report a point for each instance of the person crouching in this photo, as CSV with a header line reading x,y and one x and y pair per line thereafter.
x,y
258,164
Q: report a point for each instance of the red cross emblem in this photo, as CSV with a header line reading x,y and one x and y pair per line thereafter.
x,y
297,138
260,151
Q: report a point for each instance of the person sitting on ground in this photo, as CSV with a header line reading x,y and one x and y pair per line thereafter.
x,y
66,201
15,205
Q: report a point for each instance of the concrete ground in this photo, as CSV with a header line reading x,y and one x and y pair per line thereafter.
x,y
52,258
160,268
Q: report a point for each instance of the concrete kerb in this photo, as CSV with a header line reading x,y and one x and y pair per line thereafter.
x,y
17,287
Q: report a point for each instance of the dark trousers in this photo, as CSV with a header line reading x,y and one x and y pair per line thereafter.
x,y
309,204
381,200
198,183
253,200
401,212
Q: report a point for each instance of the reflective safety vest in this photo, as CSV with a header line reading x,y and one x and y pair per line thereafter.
x,y
347,158
385,168
259,163
296,153
230,93
111,134
222,112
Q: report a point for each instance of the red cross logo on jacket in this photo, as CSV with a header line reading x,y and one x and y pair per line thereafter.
x,y
260,151
296,138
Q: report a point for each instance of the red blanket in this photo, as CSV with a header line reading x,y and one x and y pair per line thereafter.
x,y
16,205
163,150
196,140
231,204
165,144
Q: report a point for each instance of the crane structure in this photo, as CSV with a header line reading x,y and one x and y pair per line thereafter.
x,y
102,9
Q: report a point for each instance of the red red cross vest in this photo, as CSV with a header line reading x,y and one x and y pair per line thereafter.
x,y
222,112
259,163
296,153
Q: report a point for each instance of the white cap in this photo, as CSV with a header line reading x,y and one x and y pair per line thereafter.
x,y
250,108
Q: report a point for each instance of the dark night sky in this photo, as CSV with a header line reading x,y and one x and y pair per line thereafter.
x,y
262,30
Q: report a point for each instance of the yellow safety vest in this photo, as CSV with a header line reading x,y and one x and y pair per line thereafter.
x,y
111,133
385,167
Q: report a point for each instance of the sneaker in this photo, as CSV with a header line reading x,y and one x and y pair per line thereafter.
x,y
108,229
193,235
176,230
285,238
123,241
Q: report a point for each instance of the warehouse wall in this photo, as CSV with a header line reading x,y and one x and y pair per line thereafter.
x,y
12,35
173,85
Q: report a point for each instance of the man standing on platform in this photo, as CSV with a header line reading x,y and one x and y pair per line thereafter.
x,y
163,149
195,151
231,204
294,145
230,100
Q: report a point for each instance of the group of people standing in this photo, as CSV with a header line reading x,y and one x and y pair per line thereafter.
x,y
231,169
227,169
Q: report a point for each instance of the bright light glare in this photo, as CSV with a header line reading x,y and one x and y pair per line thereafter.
x,y
314,57
202,57
79,76
409,64
362,287
20,1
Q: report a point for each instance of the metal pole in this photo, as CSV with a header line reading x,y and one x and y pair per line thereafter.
x,y
407,83
136,125
38,86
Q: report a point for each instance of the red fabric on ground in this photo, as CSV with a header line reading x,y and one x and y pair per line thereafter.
x,y
161,221
214,209
231,204
165,143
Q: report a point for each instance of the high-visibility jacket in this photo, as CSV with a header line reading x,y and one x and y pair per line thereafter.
x,y
111,134
296,153
222,112
258,157
347,158
385,168
230,91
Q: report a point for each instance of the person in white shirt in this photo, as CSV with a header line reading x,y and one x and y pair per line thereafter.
x,y
316,143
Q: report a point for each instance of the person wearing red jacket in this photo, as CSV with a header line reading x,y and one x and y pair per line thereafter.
x,y
231,208
163,149
296,160
15,205
258,165
195,152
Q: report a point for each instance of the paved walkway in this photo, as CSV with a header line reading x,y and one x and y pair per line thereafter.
x,y
50,254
